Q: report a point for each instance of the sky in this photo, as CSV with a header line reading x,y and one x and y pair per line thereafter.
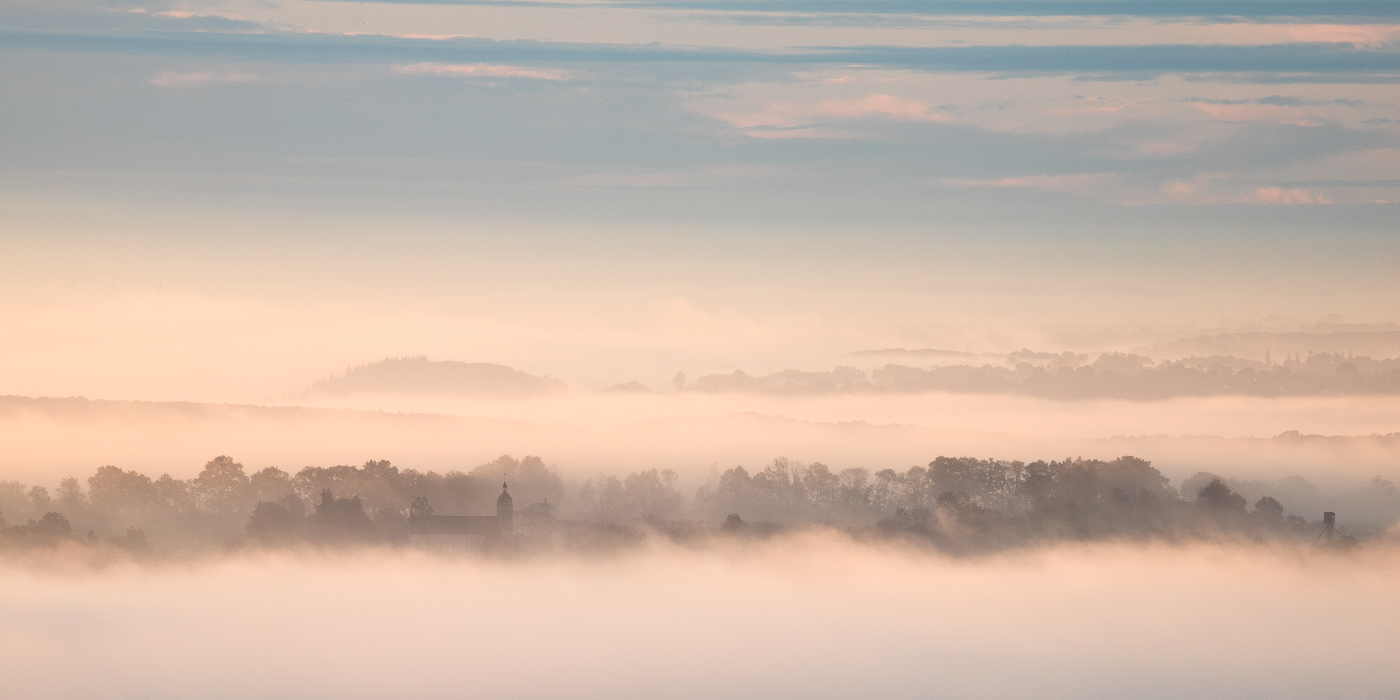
x,y
226,201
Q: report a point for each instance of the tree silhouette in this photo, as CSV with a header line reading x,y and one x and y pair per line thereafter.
x,y
273,522
341,520
222,486
1269,509
121,492
420,507
1217,496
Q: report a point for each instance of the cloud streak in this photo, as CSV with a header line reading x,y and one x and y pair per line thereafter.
x,y
1297,58
1015,8
483,70
798,120
172,79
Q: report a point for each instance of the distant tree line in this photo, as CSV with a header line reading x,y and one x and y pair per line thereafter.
x,y
1112,375
224,502
954,503
965,503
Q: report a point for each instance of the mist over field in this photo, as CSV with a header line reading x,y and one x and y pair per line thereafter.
x,y
716,348
806,617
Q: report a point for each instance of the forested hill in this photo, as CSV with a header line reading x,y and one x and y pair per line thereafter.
x,y
1111,375
419,375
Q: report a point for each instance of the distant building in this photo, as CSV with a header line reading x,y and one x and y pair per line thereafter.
x,y
505,511
476,531
537,516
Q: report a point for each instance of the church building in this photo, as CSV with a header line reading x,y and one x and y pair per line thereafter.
x,y
458,531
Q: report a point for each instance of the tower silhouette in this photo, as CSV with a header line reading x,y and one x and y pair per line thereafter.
x,y
1329,527
505,511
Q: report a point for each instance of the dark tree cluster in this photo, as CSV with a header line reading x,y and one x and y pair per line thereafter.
x,y
649,494
52,529
793,493
963,503
334,521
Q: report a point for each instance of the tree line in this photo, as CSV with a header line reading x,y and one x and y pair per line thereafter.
x,y
1112,375
964,503
956,503
224,502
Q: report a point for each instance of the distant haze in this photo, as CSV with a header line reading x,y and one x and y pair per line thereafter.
x,y
1253,345
419,375
1344,441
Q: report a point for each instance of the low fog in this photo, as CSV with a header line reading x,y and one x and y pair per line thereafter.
x,y
1120,521
1335,442
813,616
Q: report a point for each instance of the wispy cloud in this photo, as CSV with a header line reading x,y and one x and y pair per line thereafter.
x,y
1224,188
798,10
172,79
1135,60
484,70
1260,113
1361,35
1207,188
1086,184
1278,109
1279,100
1096,104
806,120
1292,195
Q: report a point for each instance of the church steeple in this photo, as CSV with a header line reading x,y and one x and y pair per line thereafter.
x,y
505,510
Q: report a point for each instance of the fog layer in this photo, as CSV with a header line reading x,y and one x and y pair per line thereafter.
x,y
49,439
814,617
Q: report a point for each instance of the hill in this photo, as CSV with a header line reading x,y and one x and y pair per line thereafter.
x,y
419,375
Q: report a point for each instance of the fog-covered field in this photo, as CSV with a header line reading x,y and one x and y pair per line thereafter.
x,y
810,616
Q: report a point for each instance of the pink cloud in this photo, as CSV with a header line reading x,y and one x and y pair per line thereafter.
x,y
1277,114
1279,195
1215,188
1081,184
1207,188
1096,104
796,118
1372,35
484,70
880,106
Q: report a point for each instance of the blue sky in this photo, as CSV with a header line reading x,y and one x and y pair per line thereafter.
x,y
1111,103
1135,103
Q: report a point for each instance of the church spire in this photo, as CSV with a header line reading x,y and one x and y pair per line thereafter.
x,y
505,510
